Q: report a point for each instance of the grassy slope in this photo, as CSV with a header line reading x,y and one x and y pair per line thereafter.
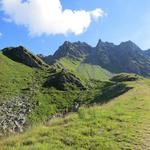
x,y
119,124
85,70
13,77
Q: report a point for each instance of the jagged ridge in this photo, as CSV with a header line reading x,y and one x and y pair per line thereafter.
x,y
125,57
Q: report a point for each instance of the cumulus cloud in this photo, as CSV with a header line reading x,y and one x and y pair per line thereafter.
x,y
48,16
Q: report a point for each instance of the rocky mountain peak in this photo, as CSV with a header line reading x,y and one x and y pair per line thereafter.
x,y
129,45
73,50
67,43
100,42
104,45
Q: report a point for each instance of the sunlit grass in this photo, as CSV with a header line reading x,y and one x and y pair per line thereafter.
x,y
84,70
13,77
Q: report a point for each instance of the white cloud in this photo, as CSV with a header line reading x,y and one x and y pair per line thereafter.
x,y
1,34
48,16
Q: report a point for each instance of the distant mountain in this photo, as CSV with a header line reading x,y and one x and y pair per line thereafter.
x,y
72,56
125,57
22,55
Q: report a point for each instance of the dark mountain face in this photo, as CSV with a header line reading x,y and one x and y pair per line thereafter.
x,y
132,59
126,57
100,54
73,50
22,55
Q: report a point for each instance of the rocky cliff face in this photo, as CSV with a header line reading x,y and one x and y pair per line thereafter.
x,y
22,55
100,54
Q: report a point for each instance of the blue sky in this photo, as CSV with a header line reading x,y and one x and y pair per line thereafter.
x,y
122,20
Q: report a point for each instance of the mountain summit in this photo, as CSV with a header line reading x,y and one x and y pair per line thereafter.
x,y
74,50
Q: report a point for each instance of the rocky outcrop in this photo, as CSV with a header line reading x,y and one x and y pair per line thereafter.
x,y
15,110
63,80
22,55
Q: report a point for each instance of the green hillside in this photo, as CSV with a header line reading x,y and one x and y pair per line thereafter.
x,y
24,87
14,77
85,70
39,92
122,123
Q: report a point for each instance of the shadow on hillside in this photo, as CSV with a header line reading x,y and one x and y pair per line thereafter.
x,y
109,92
